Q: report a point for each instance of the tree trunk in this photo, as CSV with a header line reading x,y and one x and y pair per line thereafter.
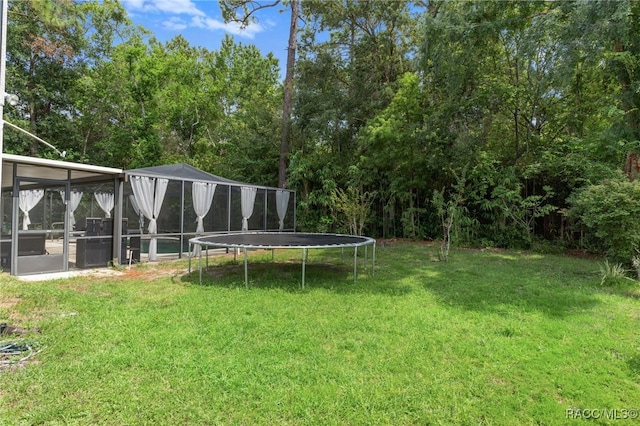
x,y
287,104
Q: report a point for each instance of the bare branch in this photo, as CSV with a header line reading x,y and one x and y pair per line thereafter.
x,y
248,8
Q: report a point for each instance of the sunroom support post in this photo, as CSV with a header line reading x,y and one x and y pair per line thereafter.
x,y
118,185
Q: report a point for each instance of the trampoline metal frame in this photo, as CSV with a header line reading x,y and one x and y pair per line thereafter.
x,y
363,242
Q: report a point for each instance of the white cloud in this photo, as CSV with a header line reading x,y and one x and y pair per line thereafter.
x,y
234,28
186,7
176,7
174,23
172,12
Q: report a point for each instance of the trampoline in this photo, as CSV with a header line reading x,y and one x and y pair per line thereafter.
x,y
284,240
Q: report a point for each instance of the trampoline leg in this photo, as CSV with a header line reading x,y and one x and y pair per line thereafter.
x,y
366,257
246,274
304,264
189,257
200,265
355,263
373,261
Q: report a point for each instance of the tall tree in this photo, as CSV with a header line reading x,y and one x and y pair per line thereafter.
x,y
52,47
45,43
520,90
351,57
242,143
244,11
174,102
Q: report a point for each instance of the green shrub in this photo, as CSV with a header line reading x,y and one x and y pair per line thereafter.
x,y
611,210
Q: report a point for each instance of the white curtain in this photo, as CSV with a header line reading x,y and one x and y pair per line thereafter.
x,y
149,194
136,208
202,195
74,201
105,201
282,202
248,199
28,199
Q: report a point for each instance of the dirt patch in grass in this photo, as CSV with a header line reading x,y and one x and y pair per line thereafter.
x,y
9,302
158,271
80,288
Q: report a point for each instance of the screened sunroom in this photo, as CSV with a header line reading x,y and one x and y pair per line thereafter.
x,y
59,216
167,205
45,206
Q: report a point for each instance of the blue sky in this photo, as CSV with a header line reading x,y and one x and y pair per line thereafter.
x,y
200,22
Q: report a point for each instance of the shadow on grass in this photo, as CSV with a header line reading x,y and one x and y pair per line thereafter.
x,y
634,365
288,276
553,285
495,281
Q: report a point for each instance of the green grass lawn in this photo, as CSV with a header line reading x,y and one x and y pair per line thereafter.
x,y
486,338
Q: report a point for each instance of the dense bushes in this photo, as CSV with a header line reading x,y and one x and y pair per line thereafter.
x,y
611,210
